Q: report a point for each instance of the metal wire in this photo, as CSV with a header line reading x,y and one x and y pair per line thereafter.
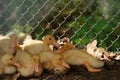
x,y
42,14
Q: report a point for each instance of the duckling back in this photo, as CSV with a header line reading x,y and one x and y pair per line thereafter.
x,y
78,57
33,46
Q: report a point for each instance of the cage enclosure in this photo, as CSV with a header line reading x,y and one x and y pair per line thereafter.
x,y
80,20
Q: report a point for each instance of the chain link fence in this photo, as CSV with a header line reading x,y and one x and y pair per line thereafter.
x,y
80,20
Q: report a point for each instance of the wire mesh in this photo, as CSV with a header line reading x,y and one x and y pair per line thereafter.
x,y
80,20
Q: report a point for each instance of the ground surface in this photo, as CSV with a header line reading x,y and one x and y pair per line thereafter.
x,y
110,72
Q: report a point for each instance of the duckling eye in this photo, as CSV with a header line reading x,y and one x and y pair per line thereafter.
x,y
10,58
49,38
60,59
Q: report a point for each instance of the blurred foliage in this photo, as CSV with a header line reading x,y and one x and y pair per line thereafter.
x,y
80,20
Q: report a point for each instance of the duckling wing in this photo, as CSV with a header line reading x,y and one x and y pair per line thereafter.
x,y
73,57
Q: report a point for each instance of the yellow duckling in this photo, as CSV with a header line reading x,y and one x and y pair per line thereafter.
x,y
30,64
79,57
8,44
36,46
52,61
8,64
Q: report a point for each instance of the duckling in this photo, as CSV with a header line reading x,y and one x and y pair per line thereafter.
x,y
52,61
25,60
8,64
78,57
36,46
8,44
30,63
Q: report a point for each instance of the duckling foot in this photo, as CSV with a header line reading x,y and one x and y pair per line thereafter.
x,y
90,69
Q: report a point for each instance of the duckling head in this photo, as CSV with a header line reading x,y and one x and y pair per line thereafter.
x,y
50,40
60,66
9,59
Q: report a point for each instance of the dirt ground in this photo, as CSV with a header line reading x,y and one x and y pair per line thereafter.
x,y
111,71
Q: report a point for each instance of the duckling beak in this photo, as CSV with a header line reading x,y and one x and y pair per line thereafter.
x,y
36,65
17,64
66,65
36,68
56,44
